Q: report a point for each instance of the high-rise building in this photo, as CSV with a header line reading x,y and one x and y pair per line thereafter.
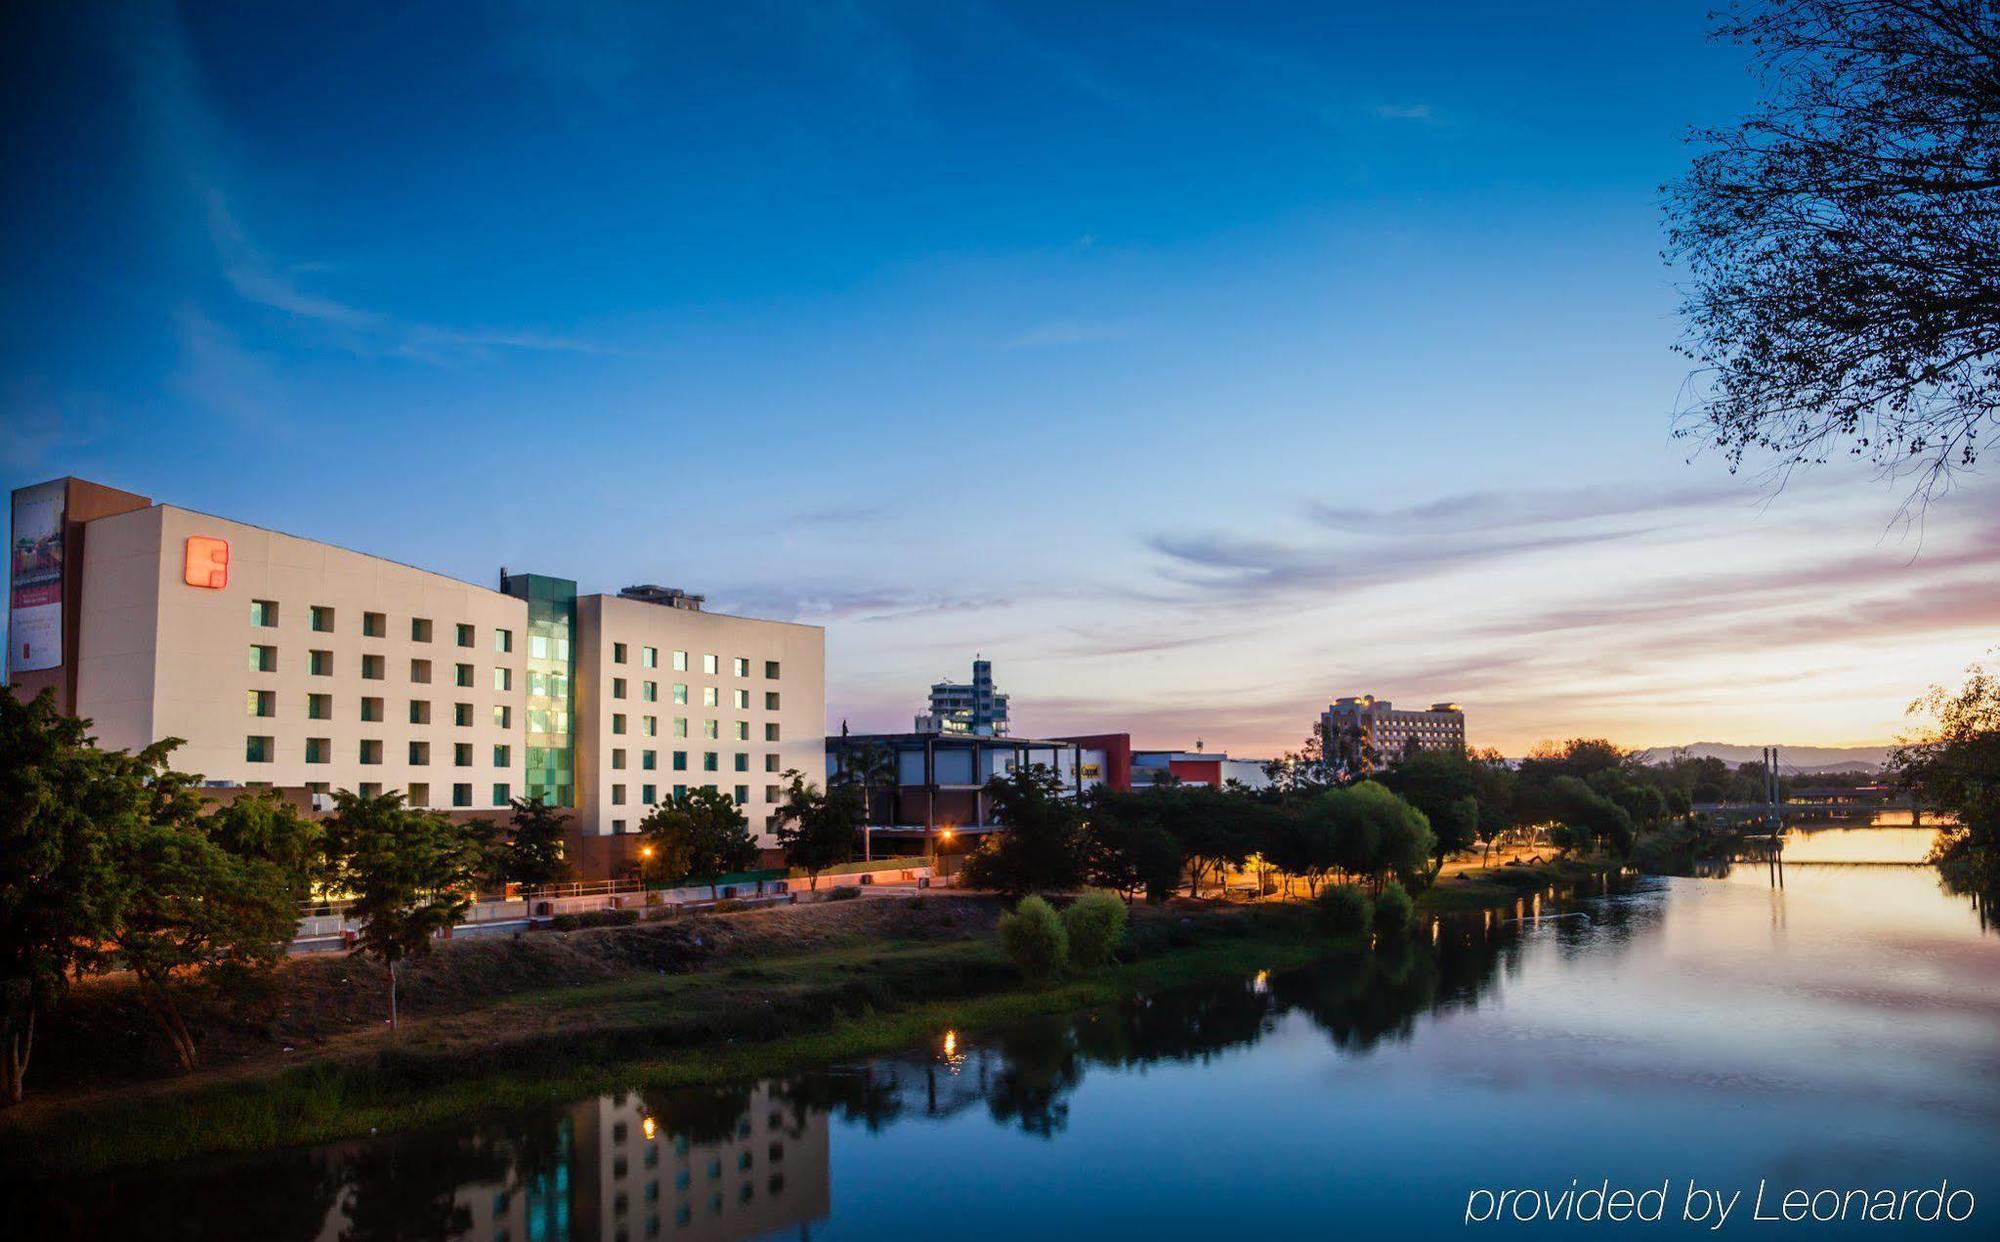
x,y
1361,732
286,662
971,708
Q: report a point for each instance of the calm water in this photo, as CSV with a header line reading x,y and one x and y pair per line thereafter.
x,y
1842,1033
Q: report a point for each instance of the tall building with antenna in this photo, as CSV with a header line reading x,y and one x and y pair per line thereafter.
x,y
971,709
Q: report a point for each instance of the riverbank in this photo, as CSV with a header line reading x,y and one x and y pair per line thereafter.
x,y
700,1000
1471,888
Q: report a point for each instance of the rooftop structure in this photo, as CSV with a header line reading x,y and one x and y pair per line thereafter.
x,y
967,708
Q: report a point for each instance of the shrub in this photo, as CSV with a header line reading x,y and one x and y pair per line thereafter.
x,y
1034,939
1343,909
844,892
594,918
1393,909
1094,923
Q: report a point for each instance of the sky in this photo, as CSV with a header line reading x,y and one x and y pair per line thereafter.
x,y
1194,363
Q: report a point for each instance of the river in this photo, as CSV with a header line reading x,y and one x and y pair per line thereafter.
x,y
1842,1033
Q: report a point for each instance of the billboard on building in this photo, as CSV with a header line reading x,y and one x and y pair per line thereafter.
x,y
35,579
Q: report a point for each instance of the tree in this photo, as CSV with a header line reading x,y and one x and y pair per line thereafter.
x,y
1303,772
867,766
1954,766
1843,241
1095,925
1043,849
1211,827
1034,939
699,834
1125,848
816,830
214,898
533,854
63,804
1597,819
412,873
1304,845
1444,785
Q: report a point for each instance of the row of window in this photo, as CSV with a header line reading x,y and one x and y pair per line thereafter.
x,y
319,663
710,761
649,726
649,692
649,795
264,703
262,748
649,657
320,619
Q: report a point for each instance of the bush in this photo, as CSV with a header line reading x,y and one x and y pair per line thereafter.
x,y
1343,909
1094,923
594,918
844,892
1034,939
1393,909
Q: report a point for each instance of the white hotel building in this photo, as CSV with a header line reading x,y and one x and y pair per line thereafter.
x,y
285,662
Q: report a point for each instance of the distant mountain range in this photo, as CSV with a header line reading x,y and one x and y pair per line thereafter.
x,y
1790,758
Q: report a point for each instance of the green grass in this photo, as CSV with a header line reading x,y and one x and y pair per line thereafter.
x,y
774,1016
1498,887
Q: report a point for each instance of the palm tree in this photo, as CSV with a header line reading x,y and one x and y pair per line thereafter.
x,y
868,766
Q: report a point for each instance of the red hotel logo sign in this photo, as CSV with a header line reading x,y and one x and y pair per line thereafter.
x,y
207,562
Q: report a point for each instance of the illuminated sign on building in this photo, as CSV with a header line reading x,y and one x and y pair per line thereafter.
x,y
35,579
207,563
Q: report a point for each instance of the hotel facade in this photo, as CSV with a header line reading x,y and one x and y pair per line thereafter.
x,y
290,663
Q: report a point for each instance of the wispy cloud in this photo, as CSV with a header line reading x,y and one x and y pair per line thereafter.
x,y
864,606
39,425
1496,510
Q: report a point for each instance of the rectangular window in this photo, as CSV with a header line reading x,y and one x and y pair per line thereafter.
x,y
320,618
742,794
680,761
710,728
770,700
771,670
464,675
419,794
263,702
420,754
680,726
371,709
420,711
742,666
741,729
773,794
371,789
711,762
618,653
319,750
503,641
617,687
420,629
461,715
680,692
740,700
503,716
649,725
502,795
617,758
258,749
503,679
649,759
372,668
618,795
465,636
503,755
770,730
649,691
374,625
680,791
319,707
649,657
461,754
461,795
617,722
770,763
264,613
710,665
263,659
711,697
319,663
680,661
742,762
420,672
371,752
649,794
617,827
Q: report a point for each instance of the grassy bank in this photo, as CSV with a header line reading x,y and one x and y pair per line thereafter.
x,y
1494,888
733,1019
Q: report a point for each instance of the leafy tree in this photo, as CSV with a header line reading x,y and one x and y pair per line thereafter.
x,y
533,854
1444,785
1954,766
1303,772
1597,819
1343,909
867,767
1214,829
816,830
1125,847
1094,924
214,900
1043,849
1304,844
1844,241
699,834
63,806
412,872
1034,939
1393,909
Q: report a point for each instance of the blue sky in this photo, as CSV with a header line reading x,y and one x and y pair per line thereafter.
x,y
1195,364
